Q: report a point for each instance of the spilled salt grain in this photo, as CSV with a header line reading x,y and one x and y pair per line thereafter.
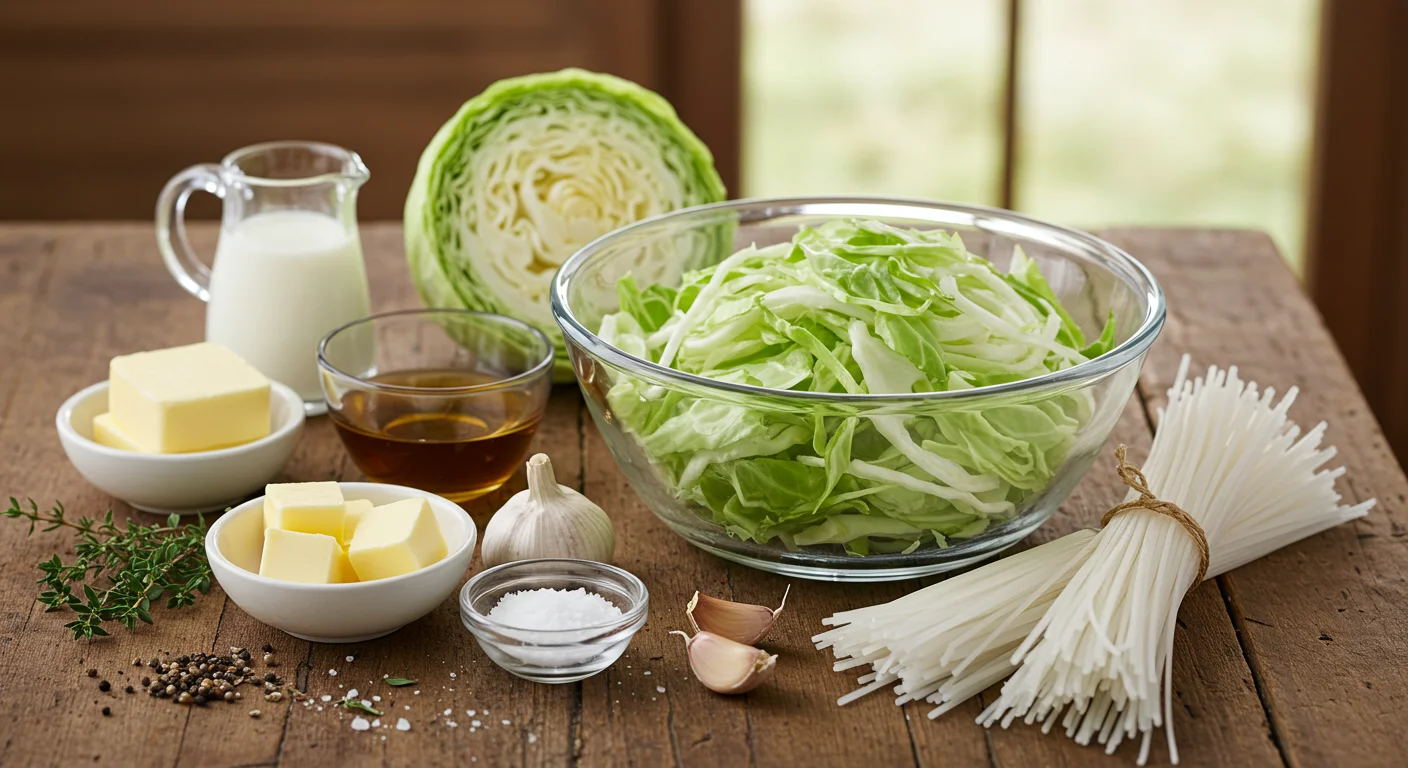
x,y
532,738
505,722
376,698
352,694
447,712
360,723
325,697
452,675
332,673
376,723
476,723
550,609
646,673
402,724
659,689
470,712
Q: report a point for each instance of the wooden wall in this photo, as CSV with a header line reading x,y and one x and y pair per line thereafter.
x,y
101,101
1357,265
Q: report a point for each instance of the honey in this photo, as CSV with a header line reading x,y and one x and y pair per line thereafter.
x,y
454,443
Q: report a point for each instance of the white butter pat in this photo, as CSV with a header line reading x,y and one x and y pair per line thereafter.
x,y
107,432
356,508
305,507
396,539
307,558
194,398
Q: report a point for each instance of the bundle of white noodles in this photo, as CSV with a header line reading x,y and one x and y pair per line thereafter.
x,y
1084,624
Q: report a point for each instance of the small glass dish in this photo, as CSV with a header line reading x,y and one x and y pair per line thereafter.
x,y
444,400
557,655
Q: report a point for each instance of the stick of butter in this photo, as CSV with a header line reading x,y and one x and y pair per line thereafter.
x,y
305,507
308,558
194,398
395,539
107,432
353,515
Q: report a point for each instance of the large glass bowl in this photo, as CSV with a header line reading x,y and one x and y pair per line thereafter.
x,y
1091,277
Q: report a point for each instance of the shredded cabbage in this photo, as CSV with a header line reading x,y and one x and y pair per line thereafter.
x,y
853,307
531,170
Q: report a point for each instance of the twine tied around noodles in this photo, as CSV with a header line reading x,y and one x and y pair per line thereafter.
x,y
1134,478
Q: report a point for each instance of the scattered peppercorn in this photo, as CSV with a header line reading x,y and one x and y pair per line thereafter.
x,y
104,686
92,672
107,711
268,648
129,689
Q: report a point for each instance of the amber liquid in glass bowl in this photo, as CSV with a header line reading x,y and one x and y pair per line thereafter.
x,y
457,447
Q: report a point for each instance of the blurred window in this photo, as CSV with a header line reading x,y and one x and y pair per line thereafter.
x,y
1163,112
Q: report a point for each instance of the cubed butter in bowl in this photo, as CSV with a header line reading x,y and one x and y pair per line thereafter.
x,y
288,579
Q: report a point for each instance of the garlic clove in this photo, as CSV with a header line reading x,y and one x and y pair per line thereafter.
x,y
739,622
724,666
547,520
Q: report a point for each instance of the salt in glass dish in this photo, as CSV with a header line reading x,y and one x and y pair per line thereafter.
x,y
557,655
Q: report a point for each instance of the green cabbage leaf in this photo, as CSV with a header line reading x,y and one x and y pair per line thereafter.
x,y
534,168
856,307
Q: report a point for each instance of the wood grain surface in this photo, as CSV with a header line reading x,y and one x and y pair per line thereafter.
x,y
1296,659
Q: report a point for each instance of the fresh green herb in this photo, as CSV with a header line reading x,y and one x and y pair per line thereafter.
x,y
132,565
359,706
399,681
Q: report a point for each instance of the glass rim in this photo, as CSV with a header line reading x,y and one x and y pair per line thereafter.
x,y
353,169
1109,256
639,595
538,369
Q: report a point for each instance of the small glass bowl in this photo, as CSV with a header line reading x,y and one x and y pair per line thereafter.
x,y
560,655
444,400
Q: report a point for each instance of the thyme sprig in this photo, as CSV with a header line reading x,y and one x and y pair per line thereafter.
x,y
119,569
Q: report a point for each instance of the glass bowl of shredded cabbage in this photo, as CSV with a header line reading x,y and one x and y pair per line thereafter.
x,y
854,389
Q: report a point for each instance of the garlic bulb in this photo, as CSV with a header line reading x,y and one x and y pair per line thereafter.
x,y
547,520
724,666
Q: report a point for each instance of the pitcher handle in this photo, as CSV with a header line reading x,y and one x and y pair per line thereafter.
x,y
181,260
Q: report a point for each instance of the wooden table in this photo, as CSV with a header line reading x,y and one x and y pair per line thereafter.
x,y
1300,658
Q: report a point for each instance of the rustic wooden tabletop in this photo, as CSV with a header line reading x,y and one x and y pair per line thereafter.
x,y
1299,659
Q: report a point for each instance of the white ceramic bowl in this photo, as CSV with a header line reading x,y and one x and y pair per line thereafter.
x,y
184,483
337,613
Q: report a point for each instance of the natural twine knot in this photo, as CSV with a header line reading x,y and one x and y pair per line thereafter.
x,y
1135,479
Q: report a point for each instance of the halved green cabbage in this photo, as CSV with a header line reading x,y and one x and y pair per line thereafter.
x,y
534,168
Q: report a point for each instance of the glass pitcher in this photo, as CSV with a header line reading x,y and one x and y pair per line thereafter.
x,y
288,265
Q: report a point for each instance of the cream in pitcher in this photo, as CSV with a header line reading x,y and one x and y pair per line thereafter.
x,y
288,267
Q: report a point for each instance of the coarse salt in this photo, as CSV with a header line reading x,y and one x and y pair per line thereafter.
x,y
402,724
332,673
352,694
553,609
360,723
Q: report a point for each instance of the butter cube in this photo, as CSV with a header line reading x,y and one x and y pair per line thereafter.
x,y
307,558
305,507
355,509
194,398
395,539
107,432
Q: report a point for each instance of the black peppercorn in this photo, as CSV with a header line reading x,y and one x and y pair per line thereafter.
x,y
268,648
92,672
107,711
130,689
104,686
268,678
